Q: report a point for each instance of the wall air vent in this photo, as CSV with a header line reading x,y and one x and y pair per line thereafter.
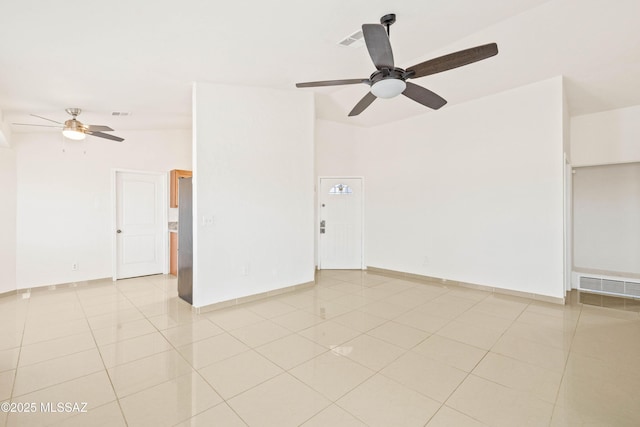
x,y
353,40
610,286
590,283
613,286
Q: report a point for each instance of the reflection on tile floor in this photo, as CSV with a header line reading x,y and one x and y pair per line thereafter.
x,y
358,349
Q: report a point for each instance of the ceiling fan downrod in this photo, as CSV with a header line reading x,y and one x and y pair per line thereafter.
x,y
387,21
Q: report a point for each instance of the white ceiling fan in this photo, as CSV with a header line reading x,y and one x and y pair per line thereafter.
x,y
76,130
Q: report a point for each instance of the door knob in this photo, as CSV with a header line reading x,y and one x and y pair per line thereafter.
x,y
119,231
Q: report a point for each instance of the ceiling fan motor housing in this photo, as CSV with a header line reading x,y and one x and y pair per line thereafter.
x,y
74,125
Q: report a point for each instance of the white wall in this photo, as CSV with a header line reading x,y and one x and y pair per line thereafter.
x,y
606,218
253,173
7,220
604,138
473,192
336,155
64,198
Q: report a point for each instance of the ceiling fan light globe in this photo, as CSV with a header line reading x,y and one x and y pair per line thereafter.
x,y
74,134
388,88
73,129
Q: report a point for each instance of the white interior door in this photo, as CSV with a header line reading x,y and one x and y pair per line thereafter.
x,y
340,214
139,227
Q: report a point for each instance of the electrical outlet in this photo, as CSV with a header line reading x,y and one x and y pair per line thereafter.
x,y
207,220
74,266
425,261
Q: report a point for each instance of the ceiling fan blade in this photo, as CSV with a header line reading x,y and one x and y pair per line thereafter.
x,y
44,118
98,128
334,83
42,126
452,60
363,104
378,45
105,135
424,96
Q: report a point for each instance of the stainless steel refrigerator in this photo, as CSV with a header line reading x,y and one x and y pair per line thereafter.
x,y
185,239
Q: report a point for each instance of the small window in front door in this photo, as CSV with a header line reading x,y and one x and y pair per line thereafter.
x,y
340,189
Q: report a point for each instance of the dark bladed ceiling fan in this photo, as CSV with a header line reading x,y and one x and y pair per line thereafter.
x,y
74,129
389,81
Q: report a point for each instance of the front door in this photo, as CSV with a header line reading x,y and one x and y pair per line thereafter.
x,y
139,227
340,215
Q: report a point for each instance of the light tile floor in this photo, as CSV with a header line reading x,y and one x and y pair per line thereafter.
x,y
358,349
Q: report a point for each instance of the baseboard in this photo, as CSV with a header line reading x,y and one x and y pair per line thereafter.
x,y
440,280
56,287
251,298
8,293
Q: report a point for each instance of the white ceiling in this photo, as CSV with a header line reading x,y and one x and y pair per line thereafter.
x,y
142,57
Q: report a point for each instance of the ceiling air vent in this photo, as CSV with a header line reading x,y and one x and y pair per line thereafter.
x,y
120,113
353,40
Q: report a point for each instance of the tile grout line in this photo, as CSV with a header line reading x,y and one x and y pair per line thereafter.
x,y
174,349
124,418
198,315
497,383
566,363
469,373
378,372
15,375
287,371
115,342
361,333
352,309
60,357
